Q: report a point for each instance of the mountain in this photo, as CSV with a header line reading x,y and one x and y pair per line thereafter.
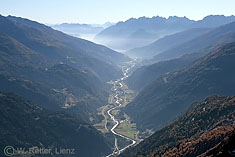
x,y
27,125
145,75
104,25
166,43
206,129
57,86
54,70
84,31
59,47
203,43
65,76
224,148
212,21
143,31
169,95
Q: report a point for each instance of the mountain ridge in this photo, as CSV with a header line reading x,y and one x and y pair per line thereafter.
x,y
205,42
32,126
119,35
36,62
162,44
180,56
170,94
202,127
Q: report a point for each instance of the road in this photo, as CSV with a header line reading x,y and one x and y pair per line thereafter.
x,y
118,103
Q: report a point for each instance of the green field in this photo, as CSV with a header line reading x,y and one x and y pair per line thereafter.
x,y
127,129
100,126
115,112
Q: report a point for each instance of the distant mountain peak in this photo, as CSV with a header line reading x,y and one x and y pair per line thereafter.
x,y
120,36
177,18
215,18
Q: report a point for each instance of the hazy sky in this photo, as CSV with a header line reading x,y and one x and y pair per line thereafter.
x,y
100,11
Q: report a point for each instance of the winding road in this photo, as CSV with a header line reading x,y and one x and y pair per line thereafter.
x,y
118,103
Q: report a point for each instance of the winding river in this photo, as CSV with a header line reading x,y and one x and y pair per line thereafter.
x,y
118,103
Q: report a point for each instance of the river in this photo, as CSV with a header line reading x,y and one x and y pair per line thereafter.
x,y
115,121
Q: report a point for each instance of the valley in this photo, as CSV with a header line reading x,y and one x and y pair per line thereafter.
x,y
115,121
144,87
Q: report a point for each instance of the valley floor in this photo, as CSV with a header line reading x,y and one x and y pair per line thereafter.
x,y
115,121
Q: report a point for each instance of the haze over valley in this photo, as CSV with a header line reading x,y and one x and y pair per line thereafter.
x,y
89,79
